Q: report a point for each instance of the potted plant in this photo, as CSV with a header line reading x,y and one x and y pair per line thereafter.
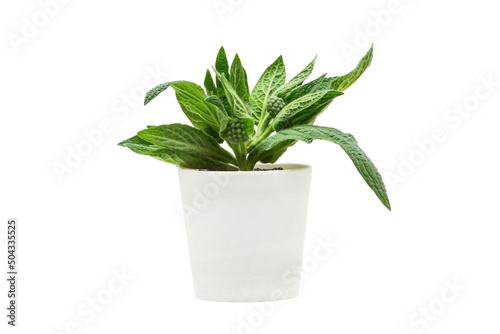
x,y
245,215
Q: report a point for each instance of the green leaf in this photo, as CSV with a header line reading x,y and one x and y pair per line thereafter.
x,y
209,84
202,115
239,79
304,109
222,113
189,147
272,78
216,101
308,133
155,91
296,81
238,106
305,89
272,155
221,63
140,146
343,82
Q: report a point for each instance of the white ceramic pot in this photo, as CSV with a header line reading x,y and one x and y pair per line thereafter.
x,y
245,231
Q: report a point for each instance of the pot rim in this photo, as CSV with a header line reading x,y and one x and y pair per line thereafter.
x,y
287,168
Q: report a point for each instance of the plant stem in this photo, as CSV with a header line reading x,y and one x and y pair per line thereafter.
x,y
240,152
260,135
263,122
266,133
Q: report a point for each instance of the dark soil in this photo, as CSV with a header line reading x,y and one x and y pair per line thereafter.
x,y
266,169
255,169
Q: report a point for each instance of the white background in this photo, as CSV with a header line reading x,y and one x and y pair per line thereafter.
x,y
119,211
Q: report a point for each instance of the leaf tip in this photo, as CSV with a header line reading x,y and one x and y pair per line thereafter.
x,y
149,96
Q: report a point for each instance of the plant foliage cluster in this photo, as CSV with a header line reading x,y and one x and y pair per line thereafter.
x,y
259,125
